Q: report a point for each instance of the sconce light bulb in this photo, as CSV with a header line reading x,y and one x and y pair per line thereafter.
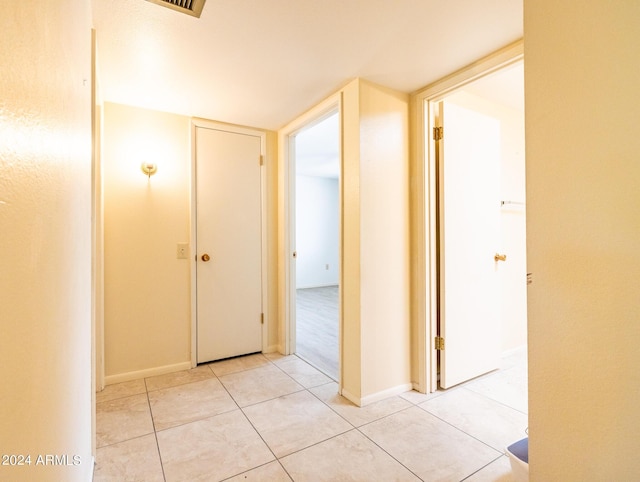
x,y
149,168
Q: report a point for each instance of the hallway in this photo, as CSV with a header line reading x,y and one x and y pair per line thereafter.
x,y
270,417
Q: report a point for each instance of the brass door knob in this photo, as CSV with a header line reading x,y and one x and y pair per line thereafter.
x,y
500,257
206,257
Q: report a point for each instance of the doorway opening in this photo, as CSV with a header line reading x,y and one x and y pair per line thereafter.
x,y
316,191
480,227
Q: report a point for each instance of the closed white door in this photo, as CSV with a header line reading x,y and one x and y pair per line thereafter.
x,y
470,310
228,244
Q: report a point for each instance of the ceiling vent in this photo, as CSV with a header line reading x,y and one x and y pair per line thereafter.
x,y
190,7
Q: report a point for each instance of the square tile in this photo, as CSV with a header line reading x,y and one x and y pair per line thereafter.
x,y
487,420
497,471
302,372
212,449
271,472
417,398
259,384
135,459
121,390
355,415
350,456
295,421
430,448
182,377
122,419
509,387
238,364
187,403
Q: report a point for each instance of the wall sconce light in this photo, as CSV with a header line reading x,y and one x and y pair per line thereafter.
x,y
149,168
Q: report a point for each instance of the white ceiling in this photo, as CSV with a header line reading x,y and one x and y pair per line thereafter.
x,y
262,63
504,87
317,147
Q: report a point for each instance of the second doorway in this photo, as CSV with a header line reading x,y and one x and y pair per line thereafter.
x,y
317,240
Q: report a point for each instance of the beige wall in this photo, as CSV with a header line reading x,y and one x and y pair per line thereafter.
x,y
583,227
376,318
147,289
45,245
384,234
350,277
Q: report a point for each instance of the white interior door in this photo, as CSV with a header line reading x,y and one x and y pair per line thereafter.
x,y
469,176
228,244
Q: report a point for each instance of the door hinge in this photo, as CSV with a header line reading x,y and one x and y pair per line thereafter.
x,y
438,132
439,343
261,160
262,318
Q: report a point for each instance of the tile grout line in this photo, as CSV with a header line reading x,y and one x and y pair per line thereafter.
x,y
460,430
482,468
275,458
326,404
357,429
385,451
155,432
379,446
496,401
304,389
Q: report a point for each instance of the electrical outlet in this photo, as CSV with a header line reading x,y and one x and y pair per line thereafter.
x,y
182,251
326,266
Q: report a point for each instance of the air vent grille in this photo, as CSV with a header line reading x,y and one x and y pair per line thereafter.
x,y
190,7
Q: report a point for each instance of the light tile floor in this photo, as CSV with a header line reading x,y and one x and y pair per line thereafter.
x,y
274,418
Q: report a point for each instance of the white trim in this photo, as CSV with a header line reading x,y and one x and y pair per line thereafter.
x,y
325,285
97,245
148,372
286,195
376,397
352,398
91,468
262,134
272,349
500,59
425,202
389,392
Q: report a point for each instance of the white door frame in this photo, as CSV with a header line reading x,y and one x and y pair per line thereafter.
x,y
426,231
207,124
286,188
97,244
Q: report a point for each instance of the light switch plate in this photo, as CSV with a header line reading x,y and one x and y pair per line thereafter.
x,y
182,251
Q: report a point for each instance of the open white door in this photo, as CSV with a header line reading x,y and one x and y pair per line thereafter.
x,y
228,243
469,179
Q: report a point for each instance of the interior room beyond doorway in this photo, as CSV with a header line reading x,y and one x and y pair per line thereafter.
x,y
470,242
317,231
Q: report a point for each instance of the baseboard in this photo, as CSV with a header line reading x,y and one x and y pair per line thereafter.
x,y
350,397
272,349
327,285
417,387
390,392
376,397
514,351
149,372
